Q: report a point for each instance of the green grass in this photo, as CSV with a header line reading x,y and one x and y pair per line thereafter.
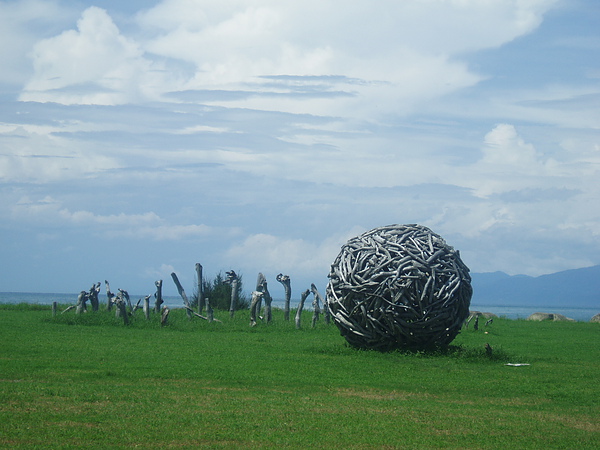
x,y
89,381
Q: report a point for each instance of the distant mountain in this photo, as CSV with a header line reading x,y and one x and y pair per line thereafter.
x,y
578,288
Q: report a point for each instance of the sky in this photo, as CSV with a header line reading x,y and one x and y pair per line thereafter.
x,y
139,138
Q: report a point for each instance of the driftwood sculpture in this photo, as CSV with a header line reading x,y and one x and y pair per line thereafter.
x,y
287,286
158,296
261,286
399,286
181,291
254,305
233,280
303,296
199,288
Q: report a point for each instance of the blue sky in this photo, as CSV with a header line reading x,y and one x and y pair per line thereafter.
x,y
138,138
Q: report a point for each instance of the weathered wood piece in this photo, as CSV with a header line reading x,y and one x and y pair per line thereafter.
x,y
319,301
233,280
93,296
316,307
261,286
109,296
256,296
164,317
287,287
399,286
81,300
298,317
147,307
199,288
158,296
195,314
186,302
54,308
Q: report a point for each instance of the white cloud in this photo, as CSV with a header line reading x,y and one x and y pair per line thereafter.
x,y
94,64
295,257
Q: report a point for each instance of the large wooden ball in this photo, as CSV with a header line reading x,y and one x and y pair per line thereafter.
x,y
399,286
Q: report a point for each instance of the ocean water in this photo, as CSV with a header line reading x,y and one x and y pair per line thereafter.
x,y
510,312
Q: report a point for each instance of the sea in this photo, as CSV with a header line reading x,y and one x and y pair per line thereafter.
x,y
510,312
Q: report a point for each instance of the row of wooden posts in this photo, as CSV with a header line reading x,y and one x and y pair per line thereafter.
x,y
122,301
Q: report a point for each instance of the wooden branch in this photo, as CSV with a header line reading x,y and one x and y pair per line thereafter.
x,y
256,296
186,303
158,296
164,317
199,288
81,299
318,299
232,279
201,316
109,296
147,307
261,286
287,286
303,296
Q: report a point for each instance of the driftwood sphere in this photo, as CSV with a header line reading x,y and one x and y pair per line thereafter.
x,y
399,286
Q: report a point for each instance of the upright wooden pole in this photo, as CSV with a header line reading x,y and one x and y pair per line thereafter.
x,y
199,288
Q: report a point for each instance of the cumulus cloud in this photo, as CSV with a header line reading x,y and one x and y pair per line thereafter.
x,y
94,64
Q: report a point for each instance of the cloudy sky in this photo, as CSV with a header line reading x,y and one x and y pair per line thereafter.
x,y
138,138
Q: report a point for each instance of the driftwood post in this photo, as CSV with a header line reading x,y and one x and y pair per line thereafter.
x,y
232,279
93,296
164,317
261,286
54,308
287,286
303,296
199,288
256,296
318,299
147,307
182,293
124,295
158,296
316,308
109,296
81,299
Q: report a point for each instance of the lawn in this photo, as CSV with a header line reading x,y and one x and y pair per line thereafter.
x,y
90,381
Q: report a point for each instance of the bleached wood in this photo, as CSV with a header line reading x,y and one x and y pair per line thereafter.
x,y
287,287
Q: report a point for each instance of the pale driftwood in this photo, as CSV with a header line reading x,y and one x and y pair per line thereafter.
x,y
147,307
233,280
287,286
69,308
186,303
124,296
320,300
256,296
399,286
195,314
316,309
199,288
109,296
164,317
81,300
158,296
303,296
93,296
121,308
261,286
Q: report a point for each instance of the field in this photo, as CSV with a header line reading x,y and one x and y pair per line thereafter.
x,y
89,381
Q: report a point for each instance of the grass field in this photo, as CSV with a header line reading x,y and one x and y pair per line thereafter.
x,y
89,381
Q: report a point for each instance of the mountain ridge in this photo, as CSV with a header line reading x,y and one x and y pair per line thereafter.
x,y
579,288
